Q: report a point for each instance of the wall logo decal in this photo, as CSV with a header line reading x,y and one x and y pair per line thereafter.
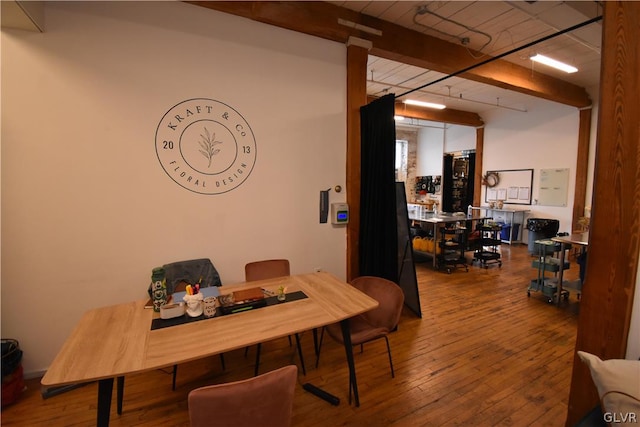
x,y
205,146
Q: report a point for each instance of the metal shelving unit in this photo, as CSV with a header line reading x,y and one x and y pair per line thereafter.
x,y
544,263
487,251
452,246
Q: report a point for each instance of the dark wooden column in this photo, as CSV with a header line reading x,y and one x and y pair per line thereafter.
x,y
477,178
584,134
356,98
614,237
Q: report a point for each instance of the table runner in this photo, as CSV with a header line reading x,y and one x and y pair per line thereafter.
x,y
165,323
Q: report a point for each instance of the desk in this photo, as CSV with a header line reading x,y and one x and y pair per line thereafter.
x,y
581,239
114,341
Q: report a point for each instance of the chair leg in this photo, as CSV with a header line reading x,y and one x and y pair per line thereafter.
x,y
304,371
246,351
390,361
255,373
318,345
290,343
175,374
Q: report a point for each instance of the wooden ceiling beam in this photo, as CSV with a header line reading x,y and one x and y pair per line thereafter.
x,y
414,48
448,115
403,45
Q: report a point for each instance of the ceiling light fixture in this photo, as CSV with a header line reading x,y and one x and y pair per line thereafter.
x,y
360,27
425,104
553,63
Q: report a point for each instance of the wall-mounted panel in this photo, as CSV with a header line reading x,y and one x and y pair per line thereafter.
x,y
553,187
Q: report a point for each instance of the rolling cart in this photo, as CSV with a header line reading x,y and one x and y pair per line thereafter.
x,y
452,245
487,250
546,262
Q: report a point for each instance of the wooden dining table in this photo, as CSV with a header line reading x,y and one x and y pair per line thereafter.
x,y
114,341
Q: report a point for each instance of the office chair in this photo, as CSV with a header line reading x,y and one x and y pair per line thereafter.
x,y
266,399
191,271
177,275
373,324
268,269
180,273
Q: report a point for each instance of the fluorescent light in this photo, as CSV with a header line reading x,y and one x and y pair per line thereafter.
x,y
553,63
425,104
360,27
398,118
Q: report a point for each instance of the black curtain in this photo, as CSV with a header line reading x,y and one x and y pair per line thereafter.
x,y
447,184
378,219
470,181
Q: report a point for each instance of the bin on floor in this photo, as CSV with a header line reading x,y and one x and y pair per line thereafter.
x,y
12,373
539,229
506,230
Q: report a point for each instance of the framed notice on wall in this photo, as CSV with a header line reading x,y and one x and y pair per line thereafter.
x,y
554,187
511,186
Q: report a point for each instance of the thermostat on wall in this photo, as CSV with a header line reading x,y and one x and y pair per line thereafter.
x,y
339,213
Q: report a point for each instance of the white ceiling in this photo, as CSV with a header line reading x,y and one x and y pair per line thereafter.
x,y
491,28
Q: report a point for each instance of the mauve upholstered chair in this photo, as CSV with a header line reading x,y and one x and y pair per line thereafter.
x,y
269,269
266,269
376,323
265,400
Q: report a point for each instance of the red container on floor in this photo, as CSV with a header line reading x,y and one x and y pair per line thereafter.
x,y
12,386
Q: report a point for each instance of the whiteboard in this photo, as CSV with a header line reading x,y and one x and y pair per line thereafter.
x,y
514,187
553,187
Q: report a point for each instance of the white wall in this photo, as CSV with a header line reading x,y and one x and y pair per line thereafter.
x,y
87,210
429,153
544,137
459,138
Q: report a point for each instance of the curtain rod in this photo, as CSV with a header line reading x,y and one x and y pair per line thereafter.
x,y
502,55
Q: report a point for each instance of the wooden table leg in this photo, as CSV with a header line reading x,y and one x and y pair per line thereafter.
x,y
105,390
346,337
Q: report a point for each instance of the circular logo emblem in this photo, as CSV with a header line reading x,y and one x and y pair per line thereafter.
x,y
205,146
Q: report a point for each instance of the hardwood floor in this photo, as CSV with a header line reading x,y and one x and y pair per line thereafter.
x,y
482,354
